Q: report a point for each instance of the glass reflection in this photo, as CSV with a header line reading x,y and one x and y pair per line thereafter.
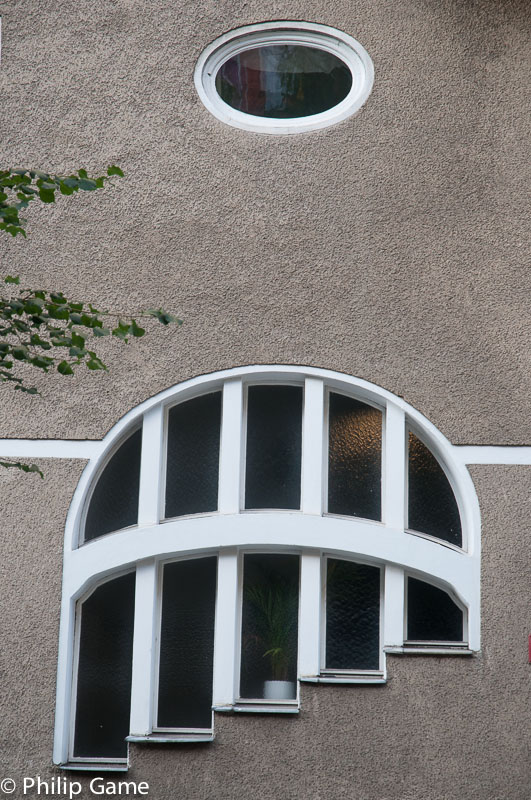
x,y
432,505
283,81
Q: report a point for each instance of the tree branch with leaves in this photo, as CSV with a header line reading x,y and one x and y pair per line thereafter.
x,y
44,329
20,187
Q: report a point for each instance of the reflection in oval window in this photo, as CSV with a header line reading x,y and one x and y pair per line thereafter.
x,y
283,81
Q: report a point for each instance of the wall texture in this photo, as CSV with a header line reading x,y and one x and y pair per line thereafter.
x,y
442,728
391,247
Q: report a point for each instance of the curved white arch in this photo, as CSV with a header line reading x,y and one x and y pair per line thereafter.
x,y
445,452
310,532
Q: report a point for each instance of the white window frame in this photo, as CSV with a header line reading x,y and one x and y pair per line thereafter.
x,y
249,704
355,675
75,672
422,645
231,531
156,730
322,37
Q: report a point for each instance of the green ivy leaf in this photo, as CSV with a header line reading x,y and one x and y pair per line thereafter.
x,y
64,368
11,279
114,170
47,195
163,316
87,185
136,330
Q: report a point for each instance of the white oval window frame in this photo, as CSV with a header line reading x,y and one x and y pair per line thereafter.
x,y
340,44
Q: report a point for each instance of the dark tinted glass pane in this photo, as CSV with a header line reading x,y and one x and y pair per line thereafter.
x,y
104,672
283,81
270,627
193,456
114,502
354,458
432,504
432,615
187,644
274,439
352,616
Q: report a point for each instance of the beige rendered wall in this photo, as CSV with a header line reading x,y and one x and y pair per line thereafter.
x,y
391,247
442,728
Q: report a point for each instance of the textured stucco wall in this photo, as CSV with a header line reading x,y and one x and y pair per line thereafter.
x,y
32,524
441,729
391,246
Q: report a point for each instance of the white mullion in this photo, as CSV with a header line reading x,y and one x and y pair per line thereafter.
x,y
393,606
225,635
310,615
394,477
312,447
151,467
65,674
141,719
230,448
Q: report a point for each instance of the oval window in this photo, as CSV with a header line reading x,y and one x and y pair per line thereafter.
x,y
283,81
284,77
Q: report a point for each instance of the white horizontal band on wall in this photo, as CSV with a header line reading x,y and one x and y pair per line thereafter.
x,y
517,455
49,448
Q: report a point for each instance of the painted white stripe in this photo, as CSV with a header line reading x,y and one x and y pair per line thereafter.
x,y
64,448
48,448
491,454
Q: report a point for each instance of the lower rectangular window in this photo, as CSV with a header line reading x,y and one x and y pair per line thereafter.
x,y
270,609
103,692
352,616
187,644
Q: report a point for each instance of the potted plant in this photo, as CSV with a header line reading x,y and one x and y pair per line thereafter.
x,y
275,606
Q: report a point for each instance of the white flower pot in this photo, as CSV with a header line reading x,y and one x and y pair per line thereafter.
x,y
279,690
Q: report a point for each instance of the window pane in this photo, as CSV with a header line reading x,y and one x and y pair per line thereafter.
x,y
354,458
192,469
432,615
432,505
114,502
187,644
274,443
283,81
352,616
104,672
270,627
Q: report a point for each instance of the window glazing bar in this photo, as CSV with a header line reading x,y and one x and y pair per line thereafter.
x,y
310,614
393,606
312,447
143,647
231,448
150,466
225,633
394,475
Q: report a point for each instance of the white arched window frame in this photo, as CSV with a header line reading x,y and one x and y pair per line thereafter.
x,y
310,532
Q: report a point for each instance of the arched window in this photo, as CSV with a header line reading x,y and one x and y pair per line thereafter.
x,y
248,531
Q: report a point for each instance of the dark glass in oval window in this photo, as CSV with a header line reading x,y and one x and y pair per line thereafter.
x,y
283,81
